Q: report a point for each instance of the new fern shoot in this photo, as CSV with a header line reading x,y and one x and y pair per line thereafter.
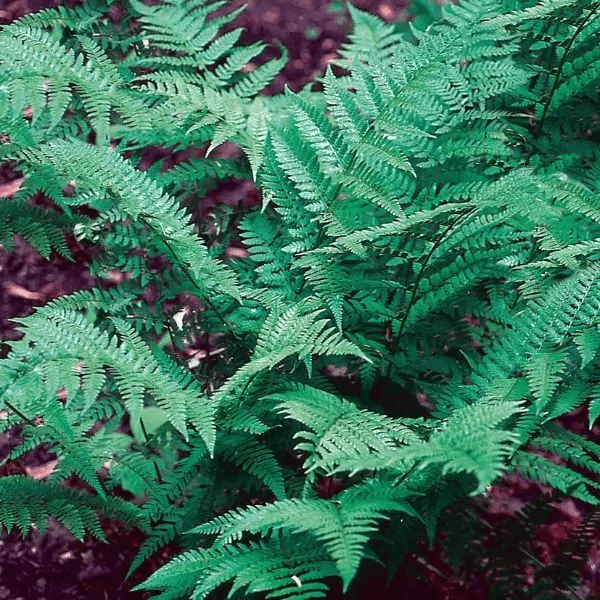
x,y
429,223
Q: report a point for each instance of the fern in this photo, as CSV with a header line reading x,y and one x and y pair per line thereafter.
x,y
342,529
428,235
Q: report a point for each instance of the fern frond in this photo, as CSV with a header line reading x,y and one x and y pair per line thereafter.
x,y
27,503
343,529
338,429
279,568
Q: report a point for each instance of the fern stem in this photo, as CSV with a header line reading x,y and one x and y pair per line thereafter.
x,y
406,475
580,28
61,440
338,189
413,297
171,337
145,434
19,413
392,293
432,568
196,286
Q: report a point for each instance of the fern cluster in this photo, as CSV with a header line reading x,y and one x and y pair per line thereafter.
x,y
428,230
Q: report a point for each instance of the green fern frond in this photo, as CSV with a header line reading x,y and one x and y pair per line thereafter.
x,y
338,429
344,529
279,568
27,503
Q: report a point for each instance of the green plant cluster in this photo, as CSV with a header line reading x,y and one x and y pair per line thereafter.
x,y
428,235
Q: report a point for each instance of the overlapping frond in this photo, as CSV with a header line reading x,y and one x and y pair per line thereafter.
x,y
414,303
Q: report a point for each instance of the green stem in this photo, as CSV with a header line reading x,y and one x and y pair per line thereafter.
x,y
145,434
338,189
221,318
60,440
19,413
420,276
561,66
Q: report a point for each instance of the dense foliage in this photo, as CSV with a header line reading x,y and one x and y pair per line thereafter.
x,y
429,229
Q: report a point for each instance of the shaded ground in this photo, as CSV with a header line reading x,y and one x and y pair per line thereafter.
x,y
57,566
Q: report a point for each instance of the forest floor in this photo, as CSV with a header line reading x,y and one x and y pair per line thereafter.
x,y
55,565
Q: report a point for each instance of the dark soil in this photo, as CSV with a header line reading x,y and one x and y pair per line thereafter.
x,y
55,565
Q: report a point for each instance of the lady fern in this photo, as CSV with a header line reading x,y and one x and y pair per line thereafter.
x,y
428,223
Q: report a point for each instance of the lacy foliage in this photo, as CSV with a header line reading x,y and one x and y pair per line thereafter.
x,y
429,226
